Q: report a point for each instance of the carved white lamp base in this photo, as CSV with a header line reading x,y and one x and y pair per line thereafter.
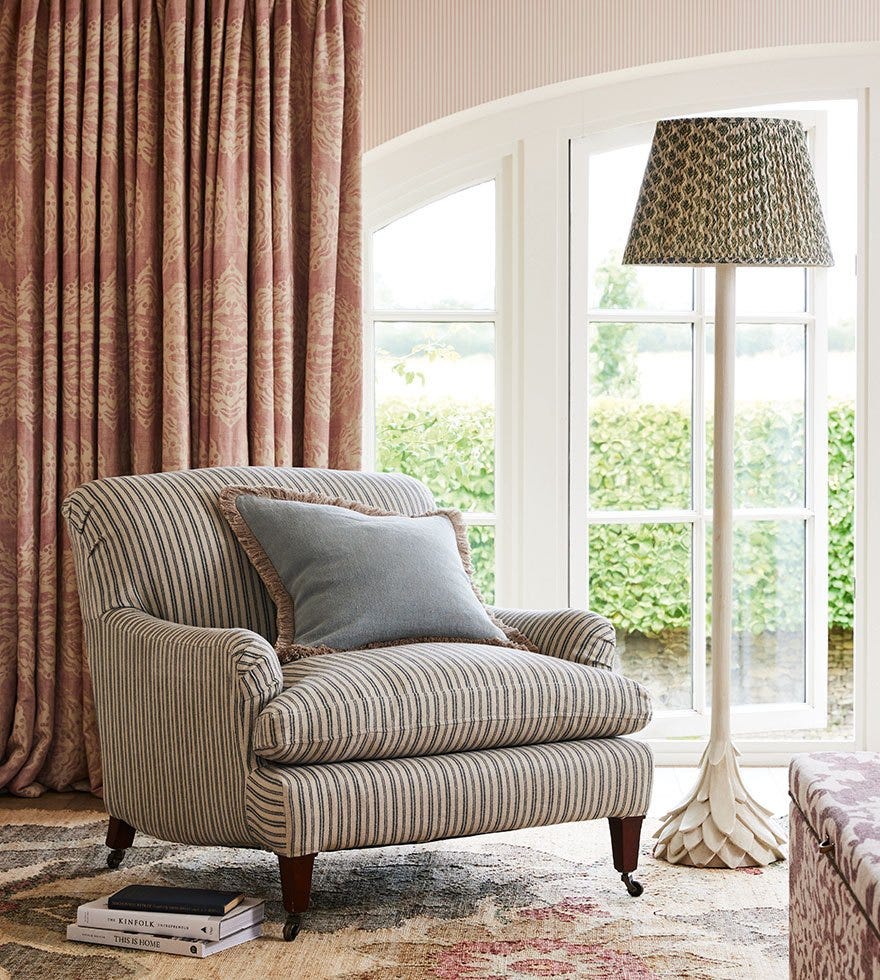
x,y
719,825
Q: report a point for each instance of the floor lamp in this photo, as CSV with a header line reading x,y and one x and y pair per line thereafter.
x,y
724,192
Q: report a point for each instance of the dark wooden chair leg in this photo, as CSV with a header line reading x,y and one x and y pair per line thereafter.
x,y
119,837
625,834
296,887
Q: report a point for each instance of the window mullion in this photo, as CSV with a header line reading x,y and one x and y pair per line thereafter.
x,y
641,516
641,316
816,495
369,394
478,518
434,316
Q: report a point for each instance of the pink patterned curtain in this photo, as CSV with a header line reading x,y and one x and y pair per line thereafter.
x,y
179,286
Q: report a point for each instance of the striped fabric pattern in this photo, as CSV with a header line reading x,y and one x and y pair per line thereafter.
x,y
570,634
160,543
178,628
297,810
432,698
425,61
176,707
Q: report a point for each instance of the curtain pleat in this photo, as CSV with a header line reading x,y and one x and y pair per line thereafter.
x,y
179,286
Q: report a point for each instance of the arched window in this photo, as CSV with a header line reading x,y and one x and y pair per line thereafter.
x,y
564,400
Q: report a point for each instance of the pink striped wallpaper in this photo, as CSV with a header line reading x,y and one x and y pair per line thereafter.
x,y
429,58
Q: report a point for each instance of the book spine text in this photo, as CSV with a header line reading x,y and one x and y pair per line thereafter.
x,y
183,926
134,940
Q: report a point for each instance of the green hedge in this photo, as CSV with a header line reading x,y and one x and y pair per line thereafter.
x,y
450,445
841,510
640,458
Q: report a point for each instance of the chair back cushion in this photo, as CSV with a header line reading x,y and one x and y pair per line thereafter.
x,y
160,543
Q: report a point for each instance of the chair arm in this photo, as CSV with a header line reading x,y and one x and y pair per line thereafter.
x,y
176,709
570,634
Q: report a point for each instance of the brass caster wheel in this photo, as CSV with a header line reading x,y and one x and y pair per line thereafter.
x,y
291,926
114,858
632,886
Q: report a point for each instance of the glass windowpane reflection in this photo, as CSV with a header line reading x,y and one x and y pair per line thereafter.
x,y
770,426
614,180
435,408
640,578
440,257
763,290
482,541
769,637
641,381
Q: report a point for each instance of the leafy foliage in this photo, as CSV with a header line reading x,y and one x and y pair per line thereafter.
x,y
450,446
404,366
841,503
640,455
613,346
768,455
640,575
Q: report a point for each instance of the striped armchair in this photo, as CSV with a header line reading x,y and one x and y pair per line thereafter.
x,y
207,739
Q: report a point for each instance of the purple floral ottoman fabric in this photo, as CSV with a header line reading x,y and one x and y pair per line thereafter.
x,y
834,931
839,794
830,938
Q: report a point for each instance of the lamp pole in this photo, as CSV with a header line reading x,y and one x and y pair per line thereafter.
x,y
722,501
720,824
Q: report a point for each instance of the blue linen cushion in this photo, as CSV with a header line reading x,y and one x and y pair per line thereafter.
x,y
345,576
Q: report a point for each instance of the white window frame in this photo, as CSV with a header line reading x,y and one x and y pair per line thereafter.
x,y
532,133
668,723
398,205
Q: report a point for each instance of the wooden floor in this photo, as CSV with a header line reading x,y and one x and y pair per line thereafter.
x,y
53,801
671,785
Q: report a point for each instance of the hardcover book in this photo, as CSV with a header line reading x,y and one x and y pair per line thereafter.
x,y
160,898
179,924
199,948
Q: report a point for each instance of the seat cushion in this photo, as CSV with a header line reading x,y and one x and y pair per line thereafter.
x,y
433,698
295,810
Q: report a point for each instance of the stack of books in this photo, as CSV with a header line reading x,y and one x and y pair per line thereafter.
x,y
187,921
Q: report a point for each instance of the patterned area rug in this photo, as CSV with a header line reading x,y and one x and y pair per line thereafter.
x,y
535,903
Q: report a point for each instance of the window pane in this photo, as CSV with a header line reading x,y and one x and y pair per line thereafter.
x,y
435,408
614,181
841,564
640,577
768,653
440,257
482,542
640,415
770,429
841,215
764,291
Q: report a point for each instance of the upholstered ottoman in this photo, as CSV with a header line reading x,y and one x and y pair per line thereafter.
x,y
835,866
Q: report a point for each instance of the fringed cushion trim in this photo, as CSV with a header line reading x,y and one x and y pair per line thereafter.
x,y
286,646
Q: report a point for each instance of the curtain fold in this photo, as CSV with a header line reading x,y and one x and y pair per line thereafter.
x,y
179,286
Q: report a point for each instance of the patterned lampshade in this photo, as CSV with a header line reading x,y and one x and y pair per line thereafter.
x,y
728,190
